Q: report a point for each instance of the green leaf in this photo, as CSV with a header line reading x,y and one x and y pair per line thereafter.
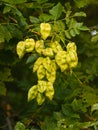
x,y
2,88
4,33
78,25
6,9
14,1
94,107
34,19
68,6
5,75
94,39
45,17
72,23
72,33
77,31
67,34
19,126
84,28
56,11
14,31
81,3
32,58
78,14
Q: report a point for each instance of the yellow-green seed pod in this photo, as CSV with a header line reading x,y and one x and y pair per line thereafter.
x,y
51,76
48,52
29,45
37,63
56,47
73,55
53,65
39,46
61,57
45,30
40,99
71,46
47,64
41,72
42,85
20,49
73,64
68,58
64,67
50,91
32,93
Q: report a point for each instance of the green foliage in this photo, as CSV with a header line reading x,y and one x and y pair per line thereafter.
x,y
19,126
56,11
52,38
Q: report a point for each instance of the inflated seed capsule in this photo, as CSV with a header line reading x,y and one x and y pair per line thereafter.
x,y
56,47
73,55
68,58
51,76
32,93
71,46
39,46
40,98
73,64
37,63
42,86
48,52
45,29
61,57
41,72
29,45
20,49
47,64
49,91
64,67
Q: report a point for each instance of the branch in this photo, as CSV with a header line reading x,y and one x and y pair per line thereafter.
x,y
9,123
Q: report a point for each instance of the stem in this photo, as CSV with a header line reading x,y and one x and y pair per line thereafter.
x,y
8,24
77,79
9,123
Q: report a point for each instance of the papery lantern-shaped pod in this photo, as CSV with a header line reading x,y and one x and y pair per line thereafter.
x,y
56,47
41,72
32,93
51,76
37,63
49,91
48,52
47,64
29,45
40,98
61,60
71,46
20,49
45,30
39,46
42,86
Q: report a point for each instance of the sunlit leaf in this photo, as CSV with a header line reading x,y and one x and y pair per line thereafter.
x,y
67,34
78,14
94,107
81,3
19,126
6,9
56,11
34,19
32,58
2,88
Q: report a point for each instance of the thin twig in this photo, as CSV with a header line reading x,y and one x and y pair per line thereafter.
x,y
77,79
9,123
